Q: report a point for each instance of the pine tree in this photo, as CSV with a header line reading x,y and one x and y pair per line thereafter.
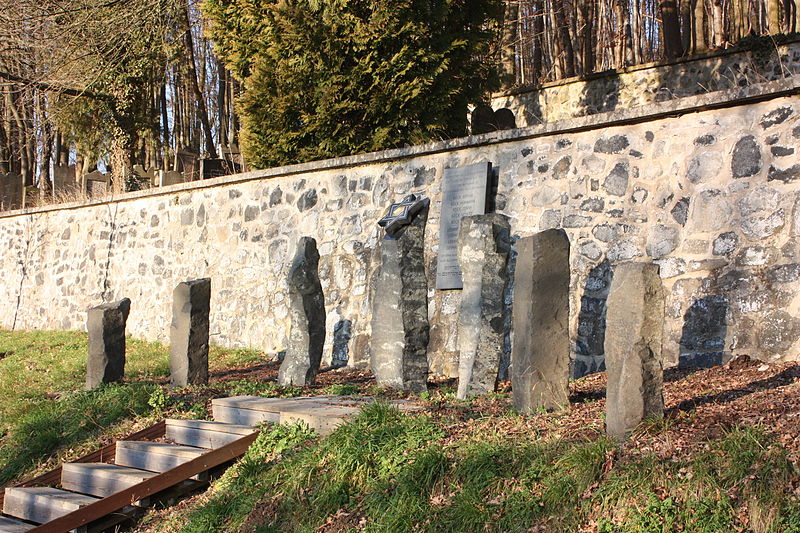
x,y
326,78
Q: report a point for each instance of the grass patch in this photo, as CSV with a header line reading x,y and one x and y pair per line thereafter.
x,y
45,411
386,472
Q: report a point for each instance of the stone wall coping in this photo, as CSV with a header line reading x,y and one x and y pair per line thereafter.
x,y
740,49
645,113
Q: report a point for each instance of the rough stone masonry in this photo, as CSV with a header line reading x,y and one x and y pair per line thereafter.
x,y
106,327
706,186
633,348
188,340
307,337
484,243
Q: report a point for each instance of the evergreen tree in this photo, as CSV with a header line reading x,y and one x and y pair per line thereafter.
x,y
326,78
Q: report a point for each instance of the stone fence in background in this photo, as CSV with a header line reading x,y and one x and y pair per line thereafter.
x,y
762,60
705,186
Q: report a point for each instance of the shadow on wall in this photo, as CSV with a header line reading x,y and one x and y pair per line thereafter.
x,y
589,351
704,332
600,95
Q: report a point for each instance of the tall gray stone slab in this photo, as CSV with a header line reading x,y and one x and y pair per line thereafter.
x,y
307,315
464,193
106,327
188,339
483,247
541,348
634,324
400,328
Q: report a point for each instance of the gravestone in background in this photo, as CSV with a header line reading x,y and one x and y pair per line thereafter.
x,y
96,184
307,314
634,324
465,193
188,333
540,353
64,181
106,327
400,328
483,247
10,191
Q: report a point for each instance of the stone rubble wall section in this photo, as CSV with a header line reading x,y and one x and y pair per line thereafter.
x,y
647,84
712,197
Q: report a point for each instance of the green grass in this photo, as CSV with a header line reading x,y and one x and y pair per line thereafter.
x,y
386,472
44,410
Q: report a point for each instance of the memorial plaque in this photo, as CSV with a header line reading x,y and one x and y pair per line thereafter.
x,y
465,192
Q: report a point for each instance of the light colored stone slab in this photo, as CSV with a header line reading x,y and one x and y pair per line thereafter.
x,y
42,504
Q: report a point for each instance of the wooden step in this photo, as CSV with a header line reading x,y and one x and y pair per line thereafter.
x,y
205,434
100,479
42,504
156,456
11,525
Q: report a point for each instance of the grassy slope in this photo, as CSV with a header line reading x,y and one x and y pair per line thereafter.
x,y
46,416
388,472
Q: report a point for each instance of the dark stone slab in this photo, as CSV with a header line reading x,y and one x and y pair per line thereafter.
x,y
307,313
465,192
483,247
540,353
188,334
634,322
342,332
400,328
106,327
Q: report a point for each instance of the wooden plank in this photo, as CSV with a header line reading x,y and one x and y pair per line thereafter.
x,y
101,479
11,525
156,456
42,504
147,488
103,455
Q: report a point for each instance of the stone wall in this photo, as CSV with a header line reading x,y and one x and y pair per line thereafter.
x,y
763,60
711,196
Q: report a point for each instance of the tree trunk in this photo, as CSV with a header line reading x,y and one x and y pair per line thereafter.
x,y
670,21
699,41
564,41
508,57
538,40
198,94
774,16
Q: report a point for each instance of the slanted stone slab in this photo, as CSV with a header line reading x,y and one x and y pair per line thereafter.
x,y
307,314
205,434
42,504
400,328
188,339
540,316
106,327
101,479
9,525
634,324
483,246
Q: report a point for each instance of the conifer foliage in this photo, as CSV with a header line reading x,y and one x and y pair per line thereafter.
x,y
326,78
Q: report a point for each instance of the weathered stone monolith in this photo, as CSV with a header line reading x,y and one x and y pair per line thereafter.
x,y
400,328
483,247
188,333
540,353
106,327
307,314
634,323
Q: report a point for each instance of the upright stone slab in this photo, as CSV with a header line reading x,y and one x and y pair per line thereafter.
x,y
400,329
188,334
634,323
106,327
540,318
307,314
483,246
465,192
